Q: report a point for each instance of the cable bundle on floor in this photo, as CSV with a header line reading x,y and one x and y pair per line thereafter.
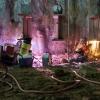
x,y
39,92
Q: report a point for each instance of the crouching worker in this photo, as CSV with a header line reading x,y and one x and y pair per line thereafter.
x,y
81,52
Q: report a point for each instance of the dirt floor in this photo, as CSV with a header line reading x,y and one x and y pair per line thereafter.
x,y
33,79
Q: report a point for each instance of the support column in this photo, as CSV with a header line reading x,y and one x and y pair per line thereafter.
x,y
56,25
26,45
26,25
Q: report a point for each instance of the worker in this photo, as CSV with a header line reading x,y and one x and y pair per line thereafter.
x,y
82,45
81,51
46,59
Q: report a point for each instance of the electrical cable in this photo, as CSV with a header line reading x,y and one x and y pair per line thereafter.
x,y
2,79
40,92
9,84
85,79
58,80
